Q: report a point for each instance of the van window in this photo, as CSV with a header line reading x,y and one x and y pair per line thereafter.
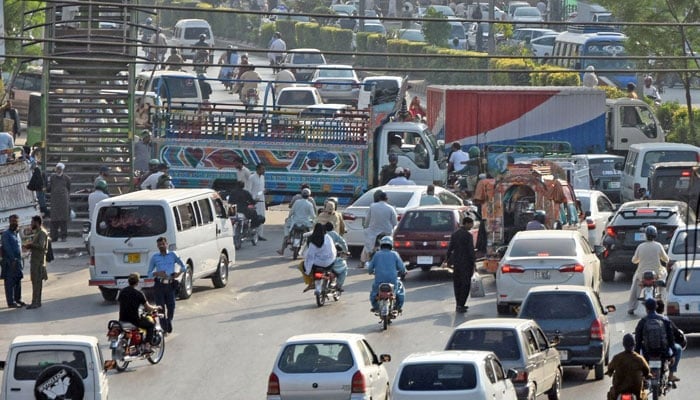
x,y
220,209
29,364
192,33
653,157
187,217
205,210
131,221
175,87
629,164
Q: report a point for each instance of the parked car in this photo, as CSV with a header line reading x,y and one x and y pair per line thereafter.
x,y
328,366
412,35
304,62
599,209
521,345
536,258
525,35
374,28
422,236
526,15
574,316
677,250
401,197
485,11
683,295
626,231
604,172
452,375
542,46
296,98
514,5
444,10
337,83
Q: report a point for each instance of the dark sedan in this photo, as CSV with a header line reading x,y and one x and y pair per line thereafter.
x,y
422,236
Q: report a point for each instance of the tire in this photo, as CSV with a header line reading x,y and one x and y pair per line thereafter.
x,y
655,392
109,294
385,322
186,285
503,309
321,297
600,370
220,278
607,273
158,351
237,237
555,392
120,365
50,379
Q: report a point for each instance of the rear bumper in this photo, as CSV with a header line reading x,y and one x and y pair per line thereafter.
x,y
588,355
620,260
115,283
411,258
687,323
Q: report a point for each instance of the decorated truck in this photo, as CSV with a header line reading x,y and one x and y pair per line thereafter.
x,y
16,198
583,117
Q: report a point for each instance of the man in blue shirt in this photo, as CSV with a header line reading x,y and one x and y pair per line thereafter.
x,y
12,264
163,268
386,265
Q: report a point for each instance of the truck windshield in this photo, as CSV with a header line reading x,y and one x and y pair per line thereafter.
x,y
430,139
604,167
131,221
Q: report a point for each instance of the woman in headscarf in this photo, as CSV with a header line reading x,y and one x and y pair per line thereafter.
x,y
589,77
329,214
321,253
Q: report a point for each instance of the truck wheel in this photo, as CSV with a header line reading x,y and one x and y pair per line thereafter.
x,y
109,294
186,285
220,278
52,380
607,273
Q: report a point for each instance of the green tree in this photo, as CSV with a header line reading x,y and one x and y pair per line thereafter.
x,y
655,41
436,32
14,10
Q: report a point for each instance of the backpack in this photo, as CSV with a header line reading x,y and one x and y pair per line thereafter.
x,y
654,336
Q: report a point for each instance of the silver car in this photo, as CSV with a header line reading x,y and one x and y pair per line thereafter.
x,y
337,83
328,366
549,257
401,197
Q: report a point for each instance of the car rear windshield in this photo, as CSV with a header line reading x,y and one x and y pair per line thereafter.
x,y
693,243
438,377
556,306
307,358
440,221
296,98
552,247
691,287
503,342
131,221
308,59
396,199
335,73
176,87
653,157
603,167
29,364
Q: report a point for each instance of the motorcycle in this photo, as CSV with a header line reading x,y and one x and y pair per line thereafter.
x,y
326,285
386,298
127,344
659,384
297,239
201,61
243,229
650,286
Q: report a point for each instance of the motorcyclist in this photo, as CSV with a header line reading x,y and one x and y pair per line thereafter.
x,y
299,196
153,167
249,81
130,300
628,370
302,213
650,90
648,257
340,266
537,222
679,342
653,344
201,55
277,48
387,266
174,60
321,253
243,199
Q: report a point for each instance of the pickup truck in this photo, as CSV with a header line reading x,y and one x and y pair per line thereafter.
x,y
54,367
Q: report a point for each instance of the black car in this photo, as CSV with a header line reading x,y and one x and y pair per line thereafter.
x,y
573,317
625,231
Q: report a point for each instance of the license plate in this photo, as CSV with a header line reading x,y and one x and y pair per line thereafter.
x,y
122,282
655,364
133,258
424,260
542,275
639,236
613,185
564,355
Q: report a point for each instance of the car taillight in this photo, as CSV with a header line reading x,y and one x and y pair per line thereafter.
x,y
443,245
672,308
571,268
597,330
349,217
627,396
512,269
403,244
273,385
358,383
591,223
610,231
685,173
318,275
521,376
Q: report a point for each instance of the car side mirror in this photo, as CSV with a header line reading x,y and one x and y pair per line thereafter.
x,y
384,358
555,341
587,213
610,308
512,374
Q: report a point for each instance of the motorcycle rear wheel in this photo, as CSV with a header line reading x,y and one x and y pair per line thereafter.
x,y
119,360
321,297
157,351
237,237
385,322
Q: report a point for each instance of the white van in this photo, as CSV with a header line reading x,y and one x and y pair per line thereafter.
x,y
175,87
125,228
186,33
640,159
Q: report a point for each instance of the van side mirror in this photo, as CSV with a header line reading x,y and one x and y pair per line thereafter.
x,y
610,308
512,374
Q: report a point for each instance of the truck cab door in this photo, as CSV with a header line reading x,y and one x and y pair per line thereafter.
x,y
633,123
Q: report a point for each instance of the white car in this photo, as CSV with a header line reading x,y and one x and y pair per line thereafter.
x,y
598,209
452,375
526,14
328,366
401,197
296,98
544,257
683,296
337,83
304,62
542,46
677,246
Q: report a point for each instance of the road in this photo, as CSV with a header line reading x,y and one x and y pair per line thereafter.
x,y
226,340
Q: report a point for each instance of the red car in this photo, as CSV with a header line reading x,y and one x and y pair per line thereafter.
x,y
422,236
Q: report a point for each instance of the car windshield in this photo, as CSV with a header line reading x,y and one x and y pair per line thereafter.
x,y
296,98
375,28
130,221
527,12
604,167
438,377
414,36
434,221
193,33
659,156
396,199
552,247
693,243
559,305
306,358
335,73
690,287
457,31
585,203
501,341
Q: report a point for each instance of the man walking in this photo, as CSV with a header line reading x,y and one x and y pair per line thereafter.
x,y
142,152
12,264
37,261
59,187
257,189
460,254
162,267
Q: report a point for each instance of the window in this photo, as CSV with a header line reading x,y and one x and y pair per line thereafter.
x,y
503,342
306,358
658,156
630,117
541,339
532,347
560,305
498,369
604,205
368,349
131,221
691,287
175,87
693,242
29,364
438,377
193,33
564,247
488,369
197,214
220,209
447,198
187,218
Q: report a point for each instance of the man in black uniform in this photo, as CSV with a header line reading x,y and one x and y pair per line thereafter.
x,y
130,299
460,254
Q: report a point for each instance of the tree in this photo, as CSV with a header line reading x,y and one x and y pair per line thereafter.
x,y
436,32
655,41
13,29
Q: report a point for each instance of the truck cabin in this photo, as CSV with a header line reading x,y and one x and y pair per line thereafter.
x,y
675,181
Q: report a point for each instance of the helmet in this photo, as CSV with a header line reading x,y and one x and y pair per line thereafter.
x,y
305,192
154,162
474,152
149,20
540,216
101,184
651,232
202,36
386,241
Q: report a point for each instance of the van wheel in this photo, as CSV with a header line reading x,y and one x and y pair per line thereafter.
x,y
607,273
186,285
109,294
220,279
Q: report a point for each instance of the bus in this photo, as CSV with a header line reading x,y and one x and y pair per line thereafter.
x,y
603,50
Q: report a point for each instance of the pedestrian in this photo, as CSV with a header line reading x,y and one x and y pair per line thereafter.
x,y
165,267
401,177
11,113
632,91
242,172
36,185
100,193
590,79
257,189
103,176
458,159
380,220
416,110
460,254
12,264
58,186
143,150
7,143
37,261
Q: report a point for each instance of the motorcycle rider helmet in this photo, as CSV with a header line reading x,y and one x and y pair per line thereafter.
x,y
202,36
305,192
474,152
651,232
101,185
386,241
154,163
149,20
540,216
